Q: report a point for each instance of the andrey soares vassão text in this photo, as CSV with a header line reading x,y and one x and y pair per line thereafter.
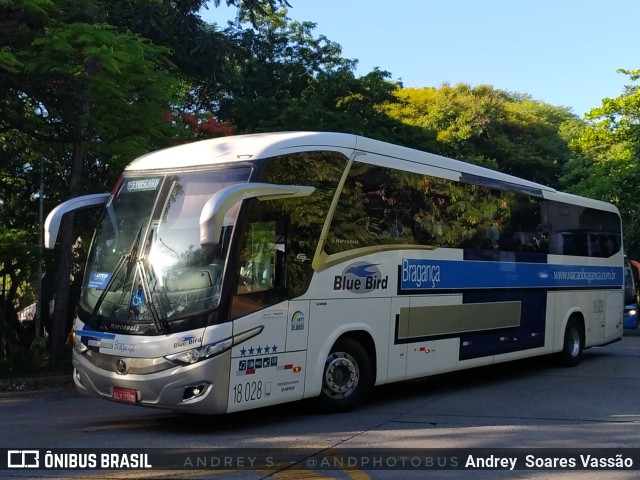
x,y
586,461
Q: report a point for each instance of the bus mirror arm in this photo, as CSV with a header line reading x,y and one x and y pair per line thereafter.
x,y
52,223
214,211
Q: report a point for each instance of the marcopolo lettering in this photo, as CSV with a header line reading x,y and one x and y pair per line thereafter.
x,y
361,277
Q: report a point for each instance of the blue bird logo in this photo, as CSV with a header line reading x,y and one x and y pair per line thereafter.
x,y
362,270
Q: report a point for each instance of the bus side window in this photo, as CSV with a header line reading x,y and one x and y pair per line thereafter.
x,y
260,256
261,267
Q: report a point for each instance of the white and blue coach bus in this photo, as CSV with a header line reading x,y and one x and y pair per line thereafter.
x,y
247,271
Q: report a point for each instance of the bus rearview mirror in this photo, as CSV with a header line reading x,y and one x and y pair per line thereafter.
x,y
52,223
212,216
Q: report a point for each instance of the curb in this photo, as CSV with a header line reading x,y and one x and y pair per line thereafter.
x,y
10,385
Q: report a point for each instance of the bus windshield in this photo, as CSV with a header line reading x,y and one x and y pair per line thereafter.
x,y
146,264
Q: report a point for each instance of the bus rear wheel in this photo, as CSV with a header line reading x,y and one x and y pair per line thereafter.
x,y
347,376
573,346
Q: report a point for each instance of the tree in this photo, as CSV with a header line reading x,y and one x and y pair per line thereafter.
x,y
87,85
501,130
604,162
19,184
277,64
72,82
286,78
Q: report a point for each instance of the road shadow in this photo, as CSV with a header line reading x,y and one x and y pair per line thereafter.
x,y
305,411
307,417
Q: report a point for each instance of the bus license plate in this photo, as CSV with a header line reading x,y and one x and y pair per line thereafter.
x,y
125,395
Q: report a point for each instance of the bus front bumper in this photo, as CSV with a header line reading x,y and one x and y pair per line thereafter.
x,y
199,388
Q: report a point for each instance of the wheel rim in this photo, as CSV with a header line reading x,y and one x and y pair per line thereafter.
x,y
574,342
341,375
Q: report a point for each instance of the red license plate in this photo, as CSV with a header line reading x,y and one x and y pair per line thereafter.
x,y
125,395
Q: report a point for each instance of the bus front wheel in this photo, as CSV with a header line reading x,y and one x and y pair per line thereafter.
x,y
347,376
573,346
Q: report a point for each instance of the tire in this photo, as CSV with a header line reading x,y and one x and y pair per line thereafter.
x,y
347,377
573,345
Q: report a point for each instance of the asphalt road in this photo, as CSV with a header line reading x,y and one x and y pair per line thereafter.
x,y
531,406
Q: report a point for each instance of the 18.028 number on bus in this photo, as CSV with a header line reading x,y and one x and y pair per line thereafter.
x,y
247,392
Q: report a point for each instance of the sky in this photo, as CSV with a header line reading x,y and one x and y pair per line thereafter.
x,y
562,52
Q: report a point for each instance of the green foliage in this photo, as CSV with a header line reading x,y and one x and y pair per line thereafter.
x,y
82,81
284,78
501,130
78,96
85,86
604,162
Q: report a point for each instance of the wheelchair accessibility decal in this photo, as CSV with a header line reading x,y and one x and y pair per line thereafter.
x,y
137,300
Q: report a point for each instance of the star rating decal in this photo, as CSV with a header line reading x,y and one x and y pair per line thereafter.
x,y
258,350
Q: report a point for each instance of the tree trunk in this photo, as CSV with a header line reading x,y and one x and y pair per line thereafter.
x,y
59,328
61,296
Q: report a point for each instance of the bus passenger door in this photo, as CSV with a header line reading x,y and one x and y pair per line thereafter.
x,y
258,364
268,367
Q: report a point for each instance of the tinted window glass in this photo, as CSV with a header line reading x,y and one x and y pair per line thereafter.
x,y
576,230
280,237
382,206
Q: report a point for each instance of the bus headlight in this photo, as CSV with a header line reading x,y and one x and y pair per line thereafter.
x,y
77,343
189,357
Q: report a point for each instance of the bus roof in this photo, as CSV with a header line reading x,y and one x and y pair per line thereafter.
x,y
241,148
264,145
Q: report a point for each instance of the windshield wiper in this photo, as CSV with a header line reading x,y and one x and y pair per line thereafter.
x,y
124,258
116,270
160,323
